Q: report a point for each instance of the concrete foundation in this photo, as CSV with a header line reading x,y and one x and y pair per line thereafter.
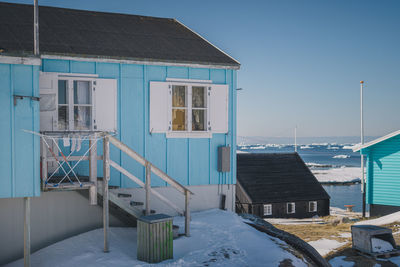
x,y
54,217
382,210
205,197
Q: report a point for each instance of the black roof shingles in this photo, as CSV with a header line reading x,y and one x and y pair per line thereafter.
x,y
105,35
273,178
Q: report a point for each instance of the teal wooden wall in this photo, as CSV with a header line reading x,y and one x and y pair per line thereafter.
x,y
191,161
19,152
383,172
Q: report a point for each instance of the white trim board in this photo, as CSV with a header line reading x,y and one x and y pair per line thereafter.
x,y
21,60
376,141
187,80
138,62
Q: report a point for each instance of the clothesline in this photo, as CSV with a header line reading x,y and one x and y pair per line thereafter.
x,y
71,136
73,141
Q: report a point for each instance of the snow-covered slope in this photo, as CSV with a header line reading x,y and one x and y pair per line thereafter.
x,y
218,238
388,219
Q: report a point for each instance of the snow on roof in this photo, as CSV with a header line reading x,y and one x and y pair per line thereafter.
x,y
217,238
376,141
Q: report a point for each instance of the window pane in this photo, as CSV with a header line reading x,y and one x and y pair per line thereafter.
x,y
82,118
62,92
178,119
178,96
63,118
198,120
198,97
82,92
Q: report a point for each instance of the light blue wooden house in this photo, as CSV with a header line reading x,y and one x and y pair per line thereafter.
x,y
382,174
147,95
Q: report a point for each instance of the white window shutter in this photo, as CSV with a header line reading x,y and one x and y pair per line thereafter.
x,y
48,85
160,99
105,105
219,105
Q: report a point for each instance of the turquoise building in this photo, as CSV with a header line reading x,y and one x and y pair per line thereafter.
x,y
382,173
152,83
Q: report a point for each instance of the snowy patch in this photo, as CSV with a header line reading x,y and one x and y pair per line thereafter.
x,y
345,235
379,245
349,147
344,174
257,147
340,262
388,219
218,238
341,157
324,246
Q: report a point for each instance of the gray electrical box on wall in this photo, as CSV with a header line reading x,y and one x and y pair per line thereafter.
x,y
224,159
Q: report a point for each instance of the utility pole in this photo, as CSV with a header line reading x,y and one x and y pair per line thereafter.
x,y
362,156
295,139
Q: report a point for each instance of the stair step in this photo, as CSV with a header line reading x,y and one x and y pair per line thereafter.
x,y
124,195
151,212
136,203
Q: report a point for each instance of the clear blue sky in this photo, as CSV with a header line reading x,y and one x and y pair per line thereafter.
x,y
301,60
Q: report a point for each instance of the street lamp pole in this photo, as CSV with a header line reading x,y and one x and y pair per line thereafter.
x,y
362,156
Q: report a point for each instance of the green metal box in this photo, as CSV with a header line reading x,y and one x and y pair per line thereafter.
x,y
154,238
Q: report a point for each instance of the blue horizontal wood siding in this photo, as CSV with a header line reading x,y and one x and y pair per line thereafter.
x,y
383,172
19,153
191,161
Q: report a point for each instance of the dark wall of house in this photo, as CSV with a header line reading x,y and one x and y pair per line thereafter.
x,y
381,210
301,210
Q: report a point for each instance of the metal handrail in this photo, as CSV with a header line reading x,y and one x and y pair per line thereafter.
x,y
147,184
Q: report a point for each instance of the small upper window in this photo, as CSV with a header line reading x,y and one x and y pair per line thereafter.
x,y
189,108
291,207
70,102
312,206
186,108
267,209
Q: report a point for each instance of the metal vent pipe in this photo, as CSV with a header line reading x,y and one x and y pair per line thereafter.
x,y
35,27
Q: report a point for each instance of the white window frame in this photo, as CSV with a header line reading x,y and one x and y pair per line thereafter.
x,y
315,206
189,133
267,209
70,88
293,209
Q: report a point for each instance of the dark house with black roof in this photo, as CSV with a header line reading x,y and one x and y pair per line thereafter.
x,y
278,186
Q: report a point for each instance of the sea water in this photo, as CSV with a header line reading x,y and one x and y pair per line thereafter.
x,y
330,162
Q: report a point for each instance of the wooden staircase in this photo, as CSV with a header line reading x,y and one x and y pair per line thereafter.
x,y
124,201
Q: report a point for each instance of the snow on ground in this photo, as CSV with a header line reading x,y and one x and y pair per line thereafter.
x,y
344,174
288,221
379,245
217,238
340,262
388,219
324,246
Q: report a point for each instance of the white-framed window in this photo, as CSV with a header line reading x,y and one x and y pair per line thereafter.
x,y
73,102
267,209
312,206
290,207
188,108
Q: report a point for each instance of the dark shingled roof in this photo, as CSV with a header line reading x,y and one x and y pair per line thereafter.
x,y
271,178
106,35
